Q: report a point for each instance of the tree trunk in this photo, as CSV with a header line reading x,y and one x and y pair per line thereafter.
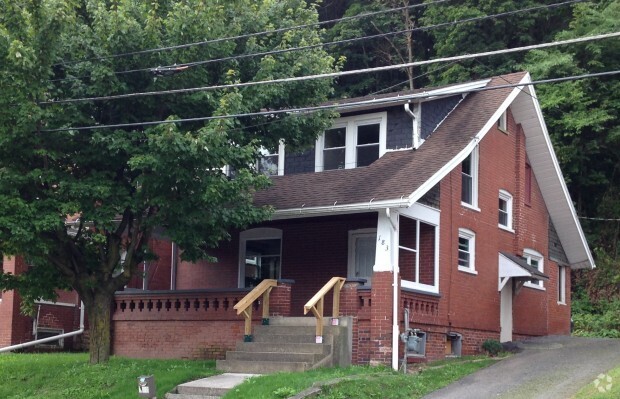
x,y
99,324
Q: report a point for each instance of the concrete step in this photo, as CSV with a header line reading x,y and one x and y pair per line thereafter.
x,y
183,396
310,358
263,367
286,338
208,388
295,330
322,349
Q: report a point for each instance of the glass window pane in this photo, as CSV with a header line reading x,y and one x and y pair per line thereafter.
x,y
466,189
466,166
368,134
333,159
268,165
367,155
503,218
463,252
335,137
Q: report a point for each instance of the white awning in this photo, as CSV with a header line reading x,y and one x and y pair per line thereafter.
x,y
512,266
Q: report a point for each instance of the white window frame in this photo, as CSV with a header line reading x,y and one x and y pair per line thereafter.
x,y
529,255
353,234
280,154
507,197
470,236
430,216
51,344
474,159
351,123
502,122
561,285
259,233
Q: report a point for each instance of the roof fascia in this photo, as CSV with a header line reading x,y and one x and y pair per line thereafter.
x,y
336,209
587,263
461,89
454,162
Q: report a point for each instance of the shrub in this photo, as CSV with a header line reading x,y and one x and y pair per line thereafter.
x,y
492,347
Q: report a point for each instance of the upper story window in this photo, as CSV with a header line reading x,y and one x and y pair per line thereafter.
x,y
352,142
535,259
467,251
528,184
271,163
505,210
469,180
562,285
502,123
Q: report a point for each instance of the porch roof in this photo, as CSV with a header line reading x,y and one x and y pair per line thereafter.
x,y
398,177
515,266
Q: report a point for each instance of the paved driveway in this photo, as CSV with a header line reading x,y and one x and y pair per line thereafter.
x,y
553,367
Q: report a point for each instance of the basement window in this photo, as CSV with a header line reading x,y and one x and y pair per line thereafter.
x,y
47,333
454,344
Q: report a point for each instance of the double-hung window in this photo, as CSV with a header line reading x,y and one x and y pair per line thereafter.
x,y
505,210
467,251
535,259
469,180
271,163
352,142
562,285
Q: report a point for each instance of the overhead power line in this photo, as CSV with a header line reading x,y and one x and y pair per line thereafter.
x,y
600,219
184,66
336,74
327,107
250,35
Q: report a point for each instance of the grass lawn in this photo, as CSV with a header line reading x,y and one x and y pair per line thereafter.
x,y
68,376
361,382
591,391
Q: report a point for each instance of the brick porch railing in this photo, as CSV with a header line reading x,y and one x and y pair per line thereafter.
x,y
185,323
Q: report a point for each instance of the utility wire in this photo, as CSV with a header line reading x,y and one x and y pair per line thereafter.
x,y
343,41
336,74
599,219
330,106
255,34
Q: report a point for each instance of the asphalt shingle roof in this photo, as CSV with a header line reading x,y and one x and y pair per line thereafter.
x,y
397,174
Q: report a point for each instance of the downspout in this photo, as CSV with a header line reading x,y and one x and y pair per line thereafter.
x,y
395,327
416,136
49,339
173,267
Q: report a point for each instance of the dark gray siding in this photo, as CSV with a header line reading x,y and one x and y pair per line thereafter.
x,y
399,129
299,163
431,198
556,251
433,112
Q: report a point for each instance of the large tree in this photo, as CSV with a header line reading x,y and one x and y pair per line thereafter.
x,y
81,206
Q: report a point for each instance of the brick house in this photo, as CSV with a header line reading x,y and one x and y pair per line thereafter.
x,y
447,203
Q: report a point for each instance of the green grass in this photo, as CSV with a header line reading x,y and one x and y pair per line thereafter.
x,y
591,391
68,376
361,382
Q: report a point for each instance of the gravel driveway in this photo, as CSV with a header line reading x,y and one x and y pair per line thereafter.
x,y
554,367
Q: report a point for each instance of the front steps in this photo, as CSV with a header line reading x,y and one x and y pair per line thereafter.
x,y
208,388
289,344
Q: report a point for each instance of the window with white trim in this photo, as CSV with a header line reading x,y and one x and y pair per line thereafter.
x,y
502,122
469,180
260,253
467,251
561,285
417,254
534,259
271,163
505,210
352,142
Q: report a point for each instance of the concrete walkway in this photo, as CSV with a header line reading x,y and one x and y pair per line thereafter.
x,y
210,387
553,367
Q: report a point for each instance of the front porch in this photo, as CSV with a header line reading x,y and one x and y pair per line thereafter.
x,y
373,251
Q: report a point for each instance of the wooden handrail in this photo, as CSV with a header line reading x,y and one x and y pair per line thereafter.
x,y
316,304
244,306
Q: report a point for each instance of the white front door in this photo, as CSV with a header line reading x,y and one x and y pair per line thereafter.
x,y
362,247
505,317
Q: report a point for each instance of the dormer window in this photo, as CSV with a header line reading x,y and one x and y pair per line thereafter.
x,y
352,142
271,163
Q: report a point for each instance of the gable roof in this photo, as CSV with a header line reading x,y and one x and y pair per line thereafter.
x,y
400,178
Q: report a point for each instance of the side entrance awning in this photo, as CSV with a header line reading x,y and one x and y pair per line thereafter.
x,y
515,267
